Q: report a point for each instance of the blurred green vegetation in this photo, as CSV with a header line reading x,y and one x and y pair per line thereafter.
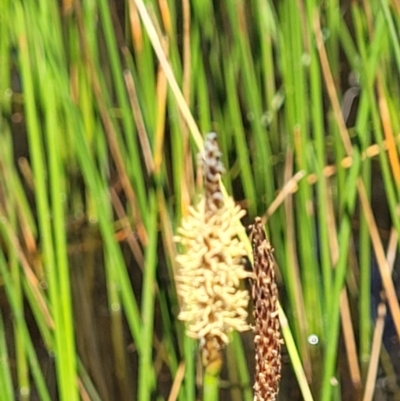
x,y
101,108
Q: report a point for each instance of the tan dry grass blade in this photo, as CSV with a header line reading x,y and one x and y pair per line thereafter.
x,y
267,338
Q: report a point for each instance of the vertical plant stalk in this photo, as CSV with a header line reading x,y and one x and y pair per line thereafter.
x,y
267,338
210,269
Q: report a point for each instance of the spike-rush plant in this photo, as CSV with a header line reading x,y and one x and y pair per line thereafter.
x,y
208,277
102,104
210,269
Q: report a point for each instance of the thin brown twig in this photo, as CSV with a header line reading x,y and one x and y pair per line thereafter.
x,y
165,16
291,184
82,390
347,324
130,239
182,104
376,350
162,90
330,86
384,268
136,29
384,114
187,177
349,341
288,189
140,125
379,325
180,373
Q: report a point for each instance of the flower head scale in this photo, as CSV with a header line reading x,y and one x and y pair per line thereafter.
x,y
210,267
267,338
212,168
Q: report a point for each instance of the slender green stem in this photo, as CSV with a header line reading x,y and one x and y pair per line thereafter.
x,y
210,386
340,274
5,376
146,384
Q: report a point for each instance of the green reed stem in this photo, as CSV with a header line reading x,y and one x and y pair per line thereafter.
x,y
146,383
35,369
5,374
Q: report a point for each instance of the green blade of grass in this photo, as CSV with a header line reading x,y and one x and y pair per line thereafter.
x,y
34,365
146,383
5,373
339,279
64,348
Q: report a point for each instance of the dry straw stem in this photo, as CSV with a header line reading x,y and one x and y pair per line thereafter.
x,y
210,267
267,338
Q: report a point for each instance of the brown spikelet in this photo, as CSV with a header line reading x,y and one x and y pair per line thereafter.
x,y
212,168
267,338
209,269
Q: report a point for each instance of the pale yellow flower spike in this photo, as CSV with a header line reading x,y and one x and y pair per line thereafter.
x,y
210,268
